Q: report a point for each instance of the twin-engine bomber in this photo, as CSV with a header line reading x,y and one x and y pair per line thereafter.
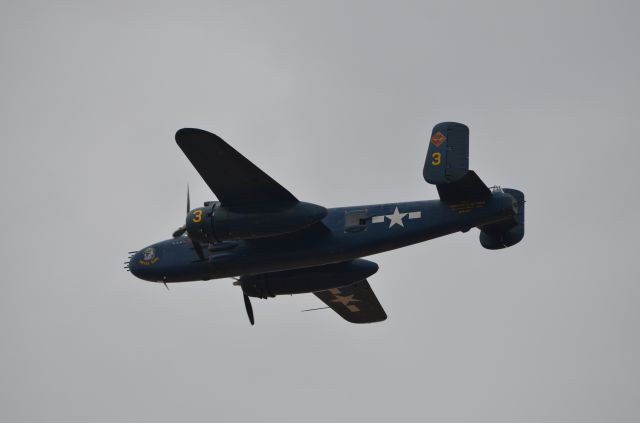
x,y
273,244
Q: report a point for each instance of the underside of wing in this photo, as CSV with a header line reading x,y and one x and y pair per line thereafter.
x,y
232,178
355,303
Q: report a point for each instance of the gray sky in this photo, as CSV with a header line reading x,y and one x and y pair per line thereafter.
x,y
336,101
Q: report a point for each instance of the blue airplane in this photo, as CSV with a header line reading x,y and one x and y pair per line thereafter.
x,y
273,244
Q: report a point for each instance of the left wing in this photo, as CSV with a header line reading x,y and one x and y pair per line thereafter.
x,y
232,178
355,303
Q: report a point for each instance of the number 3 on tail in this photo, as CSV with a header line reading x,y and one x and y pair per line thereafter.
x,y
437,157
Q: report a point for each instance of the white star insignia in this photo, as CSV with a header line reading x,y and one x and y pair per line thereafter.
x,y
396,218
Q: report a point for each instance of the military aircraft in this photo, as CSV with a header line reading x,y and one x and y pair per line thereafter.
x,y
273,244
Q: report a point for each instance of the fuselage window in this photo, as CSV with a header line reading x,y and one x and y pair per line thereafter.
x,y
356,220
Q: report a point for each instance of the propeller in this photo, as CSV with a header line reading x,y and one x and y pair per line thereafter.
x,y
247,304
178,232
182,229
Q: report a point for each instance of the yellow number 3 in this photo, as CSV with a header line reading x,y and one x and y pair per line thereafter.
x,y
437,156
197,216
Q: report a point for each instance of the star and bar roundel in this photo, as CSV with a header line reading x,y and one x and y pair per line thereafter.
x,y
397,218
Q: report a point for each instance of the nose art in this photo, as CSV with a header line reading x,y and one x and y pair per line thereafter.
x,y
143,264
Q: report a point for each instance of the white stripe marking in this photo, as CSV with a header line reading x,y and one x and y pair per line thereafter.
x,y
415,215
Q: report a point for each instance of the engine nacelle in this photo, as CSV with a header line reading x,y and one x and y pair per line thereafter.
x,y
311,279
215,222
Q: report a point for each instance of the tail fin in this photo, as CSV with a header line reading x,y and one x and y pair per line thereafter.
x,y
508,232
447,165
448,155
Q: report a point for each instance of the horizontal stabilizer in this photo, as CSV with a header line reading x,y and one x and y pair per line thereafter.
x,y
469,188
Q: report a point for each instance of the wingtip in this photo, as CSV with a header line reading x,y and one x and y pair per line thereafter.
x,y
185,135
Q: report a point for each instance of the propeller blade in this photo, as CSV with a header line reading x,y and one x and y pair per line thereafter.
x,y
247,304
181,230
188,200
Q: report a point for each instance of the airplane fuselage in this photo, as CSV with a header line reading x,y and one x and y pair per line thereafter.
x,y
344,234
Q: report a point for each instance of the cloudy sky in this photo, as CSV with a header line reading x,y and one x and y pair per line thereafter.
x,y
336,101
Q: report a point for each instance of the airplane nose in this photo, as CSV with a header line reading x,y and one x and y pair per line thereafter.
x,y
135,267
132,265
141,264
130,261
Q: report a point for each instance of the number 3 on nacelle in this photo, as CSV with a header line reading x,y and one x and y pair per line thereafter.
x,y
197,216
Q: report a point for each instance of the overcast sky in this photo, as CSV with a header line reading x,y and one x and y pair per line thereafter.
x,y
336,101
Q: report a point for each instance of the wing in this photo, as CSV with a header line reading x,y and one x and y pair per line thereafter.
x,y
232,178
355,303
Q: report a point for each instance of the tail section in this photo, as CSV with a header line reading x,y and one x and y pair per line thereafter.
x,y
448,155
469,188
447,167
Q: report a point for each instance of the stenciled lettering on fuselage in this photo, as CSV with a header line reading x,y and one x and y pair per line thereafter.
x,y
149,257
397,218
467,206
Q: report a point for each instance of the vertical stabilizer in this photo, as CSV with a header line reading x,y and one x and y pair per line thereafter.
x,y
448,156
